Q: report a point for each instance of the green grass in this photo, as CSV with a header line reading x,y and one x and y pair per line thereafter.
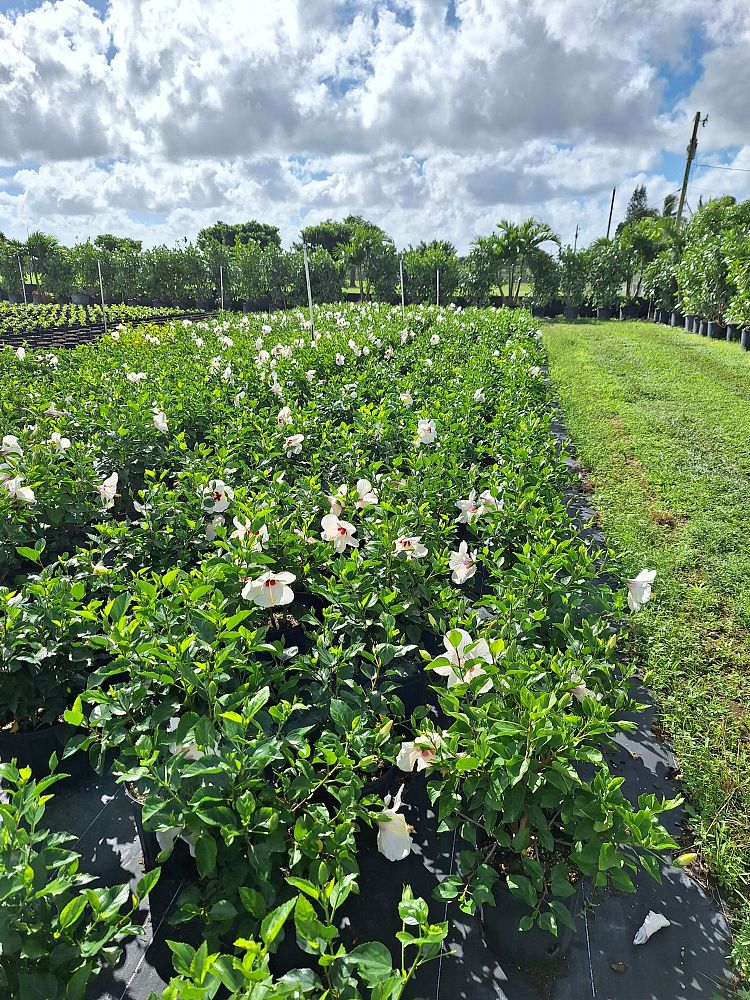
x,y
661,422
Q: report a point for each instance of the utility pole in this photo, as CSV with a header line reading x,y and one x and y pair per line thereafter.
x,y
611,207
692,147
575,241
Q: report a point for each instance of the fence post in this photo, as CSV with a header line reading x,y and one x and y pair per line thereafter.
x,y
101,292
23,283
309,288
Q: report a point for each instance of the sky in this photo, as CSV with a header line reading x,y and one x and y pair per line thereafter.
x,y
433,118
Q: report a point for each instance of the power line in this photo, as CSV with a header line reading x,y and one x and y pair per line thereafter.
x,y
718,166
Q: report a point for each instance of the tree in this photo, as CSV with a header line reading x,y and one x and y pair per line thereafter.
x,y
638,207
39,247
517,245
246,278
480,269
572,271
669,208
640,241
227,234
112,244
421,264
544,279
606,271
328,235
371,254
10,273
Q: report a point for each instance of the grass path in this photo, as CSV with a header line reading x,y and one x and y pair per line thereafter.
x,y
661,421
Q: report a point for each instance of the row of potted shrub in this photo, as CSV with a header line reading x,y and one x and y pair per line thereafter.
x,y
275,578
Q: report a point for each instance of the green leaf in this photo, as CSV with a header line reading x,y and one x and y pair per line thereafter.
x,y
372,960
183,956
117,608
205,854
147,883
252,901
27,553
275,920
304,886
257,702
522,888
37,986
72,912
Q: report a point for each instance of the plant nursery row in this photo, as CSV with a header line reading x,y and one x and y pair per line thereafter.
x,y
29,320
279,580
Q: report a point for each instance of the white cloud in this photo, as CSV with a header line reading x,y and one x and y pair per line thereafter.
x,y
162,115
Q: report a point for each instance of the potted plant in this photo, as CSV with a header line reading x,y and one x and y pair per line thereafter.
x,y
572,271
660,285
57,931
46,642
10,271
605,275
544,280
529,833
60,275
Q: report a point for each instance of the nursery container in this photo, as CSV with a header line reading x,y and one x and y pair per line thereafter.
x,y
533,949
745,339
570,313
179,864
34,749
79,299
15,299
676,318
629,311
690,322
702,325
716,330
603,312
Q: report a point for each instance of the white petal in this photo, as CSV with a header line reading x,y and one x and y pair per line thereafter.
x,y
654,922
394,839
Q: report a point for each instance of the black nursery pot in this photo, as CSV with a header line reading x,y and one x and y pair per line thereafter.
x,y
35,748
603,312
745,339
716,330
530,950
676,318
690,322
731,332
179,864
570,313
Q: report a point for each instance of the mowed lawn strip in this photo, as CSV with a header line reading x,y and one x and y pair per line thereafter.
x,y
661,422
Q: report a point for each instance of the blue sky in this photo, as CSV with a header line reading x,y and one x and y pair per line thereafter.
x,y
435,118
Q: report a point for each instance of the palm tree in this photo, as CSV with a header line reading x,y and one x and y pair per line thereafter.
x,y
508,249
669,208
518,244
40,247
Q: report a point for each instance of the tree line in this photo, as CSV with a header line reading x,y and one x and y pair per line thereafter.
x,y
699,266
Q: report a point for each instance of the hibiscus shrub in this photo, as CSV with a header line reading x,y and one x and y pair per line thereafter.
x,y
304,557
